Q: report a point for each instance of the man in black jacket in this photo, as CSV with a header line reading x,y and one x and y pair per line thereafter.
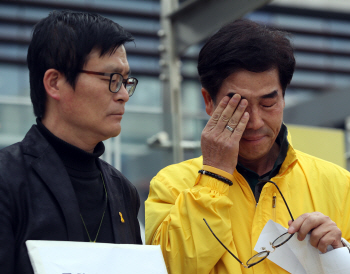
x,y
53,186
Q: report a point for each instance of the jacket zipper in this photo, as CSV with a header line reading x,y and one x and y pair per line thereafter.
x,y
274,207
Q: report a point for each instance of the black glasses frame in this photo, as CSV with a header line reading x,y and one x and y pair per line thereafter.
x,y
263,254
130,83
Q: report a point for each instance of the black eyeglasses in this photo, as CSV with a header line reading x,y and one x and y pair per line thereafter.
x,y
116,80
259,257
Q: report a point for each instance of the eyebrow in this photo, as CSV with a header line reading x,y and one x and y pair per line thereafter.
x,y
232,93
117,70
270,95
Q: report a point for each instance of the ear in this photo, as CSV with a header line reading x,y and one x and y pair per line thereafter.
x,y
52,81
209,104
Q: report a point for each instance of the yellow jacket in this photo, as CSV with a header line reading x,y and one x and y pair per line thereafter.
x,y
180,198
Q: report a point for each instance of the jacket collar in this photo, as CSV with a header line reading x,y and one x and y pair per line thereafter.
x,y
53,173
116,203
290,161
51,170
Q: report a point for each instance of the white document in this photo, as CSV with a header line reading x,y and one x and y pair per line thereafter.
x,y
300,257
59,257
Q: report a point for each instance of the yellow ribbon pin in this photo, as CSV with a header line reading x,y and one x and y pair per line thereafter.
x,y
121,217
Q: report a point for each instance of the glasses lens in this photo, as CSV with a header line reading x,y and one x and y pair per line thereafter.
x,y
115,82
130,85
282,239
257,258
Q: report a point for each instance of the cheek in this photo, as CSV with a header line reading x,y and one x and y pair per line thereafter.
x,y
274,118
74,108
92,96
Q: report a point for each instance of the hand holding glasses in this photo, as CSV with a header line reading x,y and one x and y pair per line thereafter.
x,y
259,257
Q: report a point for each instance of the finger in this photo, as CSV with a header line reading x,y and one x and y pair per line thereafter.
x,y
295,226
326,234
313,221
238,114
322,246
238,132
307,222
227,113
316,235
330,239
232,107
217,113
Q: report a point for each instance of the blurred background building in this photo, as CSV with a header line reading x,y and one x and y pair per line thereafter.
x,y
318,95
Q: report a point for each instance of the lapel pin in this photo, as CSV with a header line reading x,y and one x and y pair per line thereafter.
x,y
121,217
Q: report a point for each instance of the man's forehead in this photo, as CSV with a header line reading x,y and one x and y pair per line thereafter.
x,y
117,68
248,84
111,61
97,53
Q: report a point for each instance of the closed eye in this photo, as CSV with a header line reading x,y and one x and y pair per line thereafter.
x,y
269,100
268,105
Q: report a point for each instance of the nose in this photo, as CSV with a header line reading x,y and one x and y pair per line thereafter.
x,y
121,95
255,120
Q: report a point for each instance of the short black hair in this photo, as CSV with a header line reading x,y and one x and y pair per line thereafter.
x,y
244,45
62,41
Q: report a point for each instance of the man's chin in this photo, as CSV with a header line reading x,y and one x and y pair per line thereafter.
x,y
251,155
112,133
116,133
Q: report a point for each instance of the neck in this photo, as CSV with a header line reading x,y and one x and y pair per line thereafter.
x,y
70,135
74,158
264,164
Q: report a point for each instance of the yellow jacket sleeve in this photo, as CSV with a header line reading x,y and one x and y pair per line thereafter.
x,y
345,228
174,219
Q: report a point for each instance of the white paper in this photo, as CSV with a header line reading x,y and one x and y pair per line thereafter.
x,y
283,255
336,261
51,257
300,257
306,254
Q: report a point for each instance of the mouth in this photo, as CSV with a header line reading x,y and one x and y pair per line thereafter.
x,y
116,116
252,138
121,113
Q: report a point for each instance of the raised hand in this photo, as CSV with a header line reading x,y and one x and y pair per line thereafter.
x,y
221,136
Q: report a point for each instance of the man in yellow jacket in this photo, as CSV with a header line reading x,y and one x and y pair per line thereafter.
x,y
244,71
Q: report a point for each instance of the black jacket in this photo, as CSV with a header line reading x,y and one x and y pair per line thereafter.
x,y
37,202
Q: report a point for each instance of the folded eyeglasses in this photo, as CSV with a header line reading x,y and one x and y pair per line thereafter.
x,y
279,241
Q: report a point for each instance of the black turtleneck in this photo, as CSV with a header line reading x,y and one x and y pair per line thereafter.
x,y
87,182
